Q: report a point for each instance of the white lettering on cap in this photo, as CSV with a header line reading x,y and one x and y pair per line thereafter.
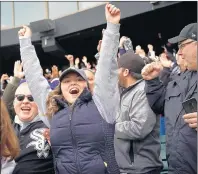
x,y
193,35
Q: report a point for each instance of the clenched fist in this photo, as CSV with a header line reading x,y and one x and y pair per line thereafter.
x,y
112,14
70,57
25,32
151,71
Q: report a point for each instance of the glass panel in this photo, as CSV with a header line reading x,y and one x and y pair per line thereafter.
x,y
6,15
60,9
86,5
26,12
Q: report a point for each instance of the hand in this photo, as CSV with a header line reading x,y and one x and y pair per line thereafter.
x,y
4,77
88,65
122,40
46,134
60,72
112,14
151,71
77,61
70,58
55,73
191,119
18,70
99,45
84,60
165,62
25,32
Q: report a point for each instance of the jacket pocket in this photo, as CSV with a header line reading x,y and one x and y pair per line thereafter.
x,y
98,165
132,151
172,93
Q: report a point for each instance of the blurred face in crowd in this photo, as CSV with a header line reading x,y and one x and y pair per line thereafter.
x,y
181,62
24,104
188,51
137,49
72,86
91,77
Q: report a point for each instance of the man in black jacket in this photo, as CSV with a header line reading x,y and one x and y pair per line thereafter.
x,y
181,138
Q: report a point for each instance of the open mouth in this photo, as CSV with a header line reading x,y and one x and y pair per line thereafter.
x,y
74,91
26,109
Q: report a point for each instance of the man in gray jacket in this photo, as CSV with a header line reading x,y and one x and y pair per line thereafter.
x,y
137,143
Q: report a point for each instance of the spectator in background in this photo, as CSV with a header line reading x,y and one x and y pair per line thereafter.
x,y
52,76
9,142
142,54
137,144
125,45
4,81
151,52
137,49
181,134
90,77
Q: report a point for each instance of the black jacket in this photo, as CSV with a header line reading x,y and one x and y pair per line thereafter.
x,y
35,155
180,138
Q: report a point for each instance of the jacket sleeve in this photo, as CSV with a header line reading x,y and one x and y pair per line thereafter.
x,y
9,95
142,119
165,76
155,92
106,91
37,83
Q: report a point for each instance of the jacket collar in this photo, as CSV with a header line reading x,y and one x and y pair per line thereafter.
x,y
23,125
131,87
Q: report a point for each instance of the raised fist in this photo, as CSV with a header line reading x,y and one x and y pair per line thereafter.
x,y
112,14
122,40
4,77
25,32
84,60
151,71
88,65
77,61
55,73
70,58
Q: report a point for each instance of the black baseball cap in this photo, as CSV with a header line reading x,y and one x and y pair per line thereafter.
x,y
188,32
131,61
80,72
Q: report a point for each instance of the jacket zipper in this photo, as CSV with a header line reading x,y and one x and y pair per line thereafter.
x,y
74,141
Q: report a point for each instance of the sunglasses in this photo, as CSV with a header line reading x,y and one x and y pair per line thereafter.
x,y
21,97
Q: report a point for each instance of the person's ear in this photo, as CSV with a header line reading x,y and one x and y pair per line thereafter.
x,y
126,72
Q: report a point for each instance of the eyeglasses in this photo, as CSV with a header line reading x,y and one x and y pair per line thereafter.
x,y
21,97
181,46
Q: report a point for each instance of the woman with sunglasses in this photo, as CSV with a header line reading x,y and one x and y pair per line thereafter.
x,y
81,123
9,144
